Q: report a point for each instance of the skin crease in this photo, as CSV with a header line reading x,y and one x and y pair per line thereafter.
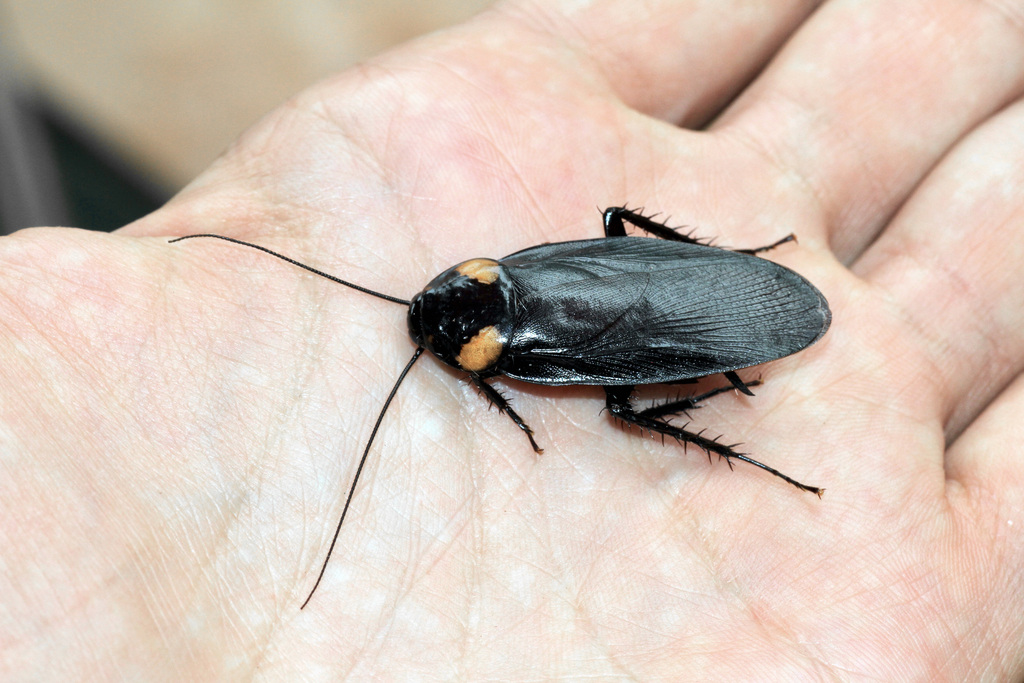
x,y
179,423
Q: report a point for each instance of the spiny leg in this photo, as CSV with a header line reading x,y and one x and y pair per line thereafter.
x,y
620,405
683,405
615,227
497,399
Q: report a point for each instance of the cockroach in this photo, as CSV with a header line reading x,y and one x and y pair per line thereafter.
x,y
614,312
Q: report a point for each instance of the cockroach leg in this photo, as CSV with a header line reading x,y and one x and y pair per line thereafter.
x,y
495,397
619,404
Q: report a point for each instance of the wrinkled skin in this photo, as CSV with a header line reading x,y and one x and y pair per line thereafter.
x,y
180,423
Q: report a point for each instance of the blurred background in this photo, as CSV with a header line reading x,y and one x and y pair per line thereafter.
x,y
108,107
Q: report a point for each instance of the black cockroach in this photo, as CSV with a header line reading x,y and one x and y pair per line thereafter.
x,y
613,312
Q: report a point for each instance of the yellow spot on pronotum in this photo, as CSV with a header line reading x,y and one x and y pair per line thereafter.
x,y
483,270
482,351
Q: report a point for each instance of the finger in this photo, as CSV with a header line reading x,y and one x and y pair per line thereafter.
x,y
869,95
677,61
987,461
987,456
951,266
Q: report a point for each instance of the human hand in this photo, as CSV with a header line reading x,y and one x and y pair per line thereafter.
x,y
180,422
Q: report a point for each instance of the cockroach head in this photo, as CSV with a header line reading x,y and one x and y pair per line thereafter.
x,y
464,315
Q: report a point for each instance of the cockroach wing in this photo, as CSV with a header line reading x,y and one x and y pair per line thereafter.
x,y
639,310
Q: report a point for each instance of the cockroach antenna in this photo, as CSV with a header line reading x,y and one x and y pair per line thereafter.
x,y
364,290
359,470
387,403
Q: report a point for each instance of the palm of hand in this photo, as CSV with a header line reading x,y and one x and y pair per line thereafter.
x,y
215,400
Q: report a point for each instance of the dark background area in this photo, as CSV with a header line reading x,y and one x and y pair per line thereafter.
x,y
55,173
